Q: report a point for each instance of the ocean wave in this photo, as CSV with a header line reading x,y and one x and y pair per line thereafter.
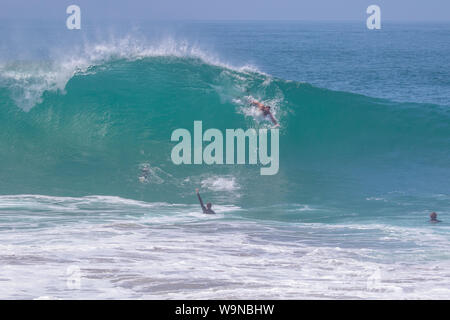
x,y
96,129
27,80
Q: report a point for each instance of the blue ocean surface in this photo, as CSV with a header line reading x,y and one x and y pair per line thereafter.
x,y
87,182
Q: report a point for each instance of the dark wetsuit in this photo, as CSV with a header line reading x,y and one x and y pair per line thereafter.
x,y
205,209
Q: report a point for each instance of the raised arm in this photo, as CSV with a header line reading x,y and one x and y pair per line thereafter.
x,y
201,201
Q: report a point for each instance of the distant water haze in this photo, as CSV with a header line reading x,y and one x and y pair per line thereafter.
x,y
319,10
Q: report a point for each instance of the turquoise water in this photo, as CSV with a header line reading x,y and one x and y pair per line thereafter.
x,y
364,159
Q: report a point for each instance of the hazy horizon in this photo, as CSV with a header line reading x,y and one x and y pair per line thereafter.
x,y
232,10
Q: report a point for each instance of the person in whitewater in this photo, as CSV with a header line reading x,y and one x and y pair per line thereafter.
x,y
433,218
145,172
266,112
206,209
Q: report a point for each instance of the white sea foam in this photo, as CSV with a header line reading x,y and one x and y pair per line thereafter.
x,y
220,183
133,249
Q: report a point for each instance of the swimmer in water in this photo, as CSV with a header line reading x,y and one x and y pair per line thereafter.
x,y
433,218
145,172
207,209
266,111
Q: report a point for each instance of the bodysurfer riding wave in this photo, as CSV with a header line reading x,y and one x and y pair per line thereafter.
x,y
266,111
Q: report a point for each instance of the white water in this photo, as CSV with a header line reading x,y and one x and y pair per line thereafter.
x,y
131,249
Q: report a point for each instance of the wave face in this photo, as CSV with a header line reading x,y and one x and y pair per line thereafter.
x,y
93,131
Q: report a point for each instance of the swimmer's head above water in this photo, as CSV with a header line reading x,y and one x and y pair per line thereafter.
x,y
433,217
